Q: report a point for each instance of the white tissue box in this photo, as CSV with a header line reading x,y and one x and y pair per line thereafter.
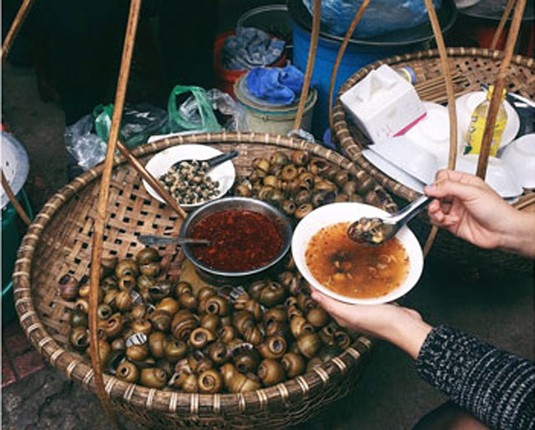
x,y
383,104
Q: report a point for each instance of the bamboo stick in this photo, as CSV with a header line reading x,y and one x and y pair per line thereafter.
x,y
98,234
15,27
340,54
13,199
316,15
499,85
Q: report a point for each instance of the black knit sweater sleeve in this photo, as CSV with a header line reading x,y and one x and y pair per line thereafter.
x,y
495,386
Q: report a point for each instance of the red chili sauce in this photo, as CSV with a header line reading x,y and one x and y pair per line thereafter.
x,y
241,240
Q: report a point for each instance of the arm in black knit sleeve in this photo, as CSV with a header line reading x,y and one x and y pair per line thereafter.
x,y
495,386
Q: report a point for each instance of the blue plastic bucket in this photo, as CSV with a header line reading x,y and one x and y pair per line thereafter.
x,y
358,53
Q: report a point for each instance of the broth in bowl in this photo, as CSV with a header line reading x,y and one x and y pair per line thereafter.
x,y
355,269
348,271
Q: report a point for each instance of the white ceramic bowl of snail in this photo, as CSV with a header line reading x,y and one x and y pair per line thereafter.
x,y
520,158
158,165
321,248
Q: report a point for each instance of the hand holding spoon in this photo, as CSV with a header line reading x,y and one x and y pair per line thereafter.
x,y
376,231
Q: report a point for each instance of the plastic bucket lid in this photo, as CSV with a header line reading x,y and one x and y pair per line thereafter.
x,y
15,165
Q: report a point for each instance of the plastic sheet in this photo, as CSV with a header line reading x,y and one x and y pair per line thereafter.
x,y
380,17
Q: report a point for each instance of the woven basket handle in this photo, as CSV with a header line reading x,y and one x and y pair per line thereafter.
x,y
316,16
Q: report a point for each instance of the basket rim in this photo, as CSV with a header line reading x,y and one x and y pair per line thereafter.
x,y
353,148
194,404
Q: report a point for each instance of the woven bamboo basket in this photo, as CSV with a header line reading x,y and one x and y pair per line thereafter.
x,y
59,242
476,66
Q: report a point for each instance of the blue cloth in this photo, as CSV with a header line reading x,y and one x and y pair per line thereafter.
x,y
275,85
250,48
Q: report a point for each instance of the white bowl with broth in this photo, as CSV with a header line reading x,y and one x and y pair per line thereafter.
x,y
348,271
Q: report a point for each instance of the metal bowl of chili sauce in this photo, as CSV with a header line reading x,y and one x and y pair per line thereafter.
x,y
248,238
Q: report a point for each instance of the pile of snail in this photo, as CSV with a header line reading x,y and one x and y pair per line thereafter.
x,y
168,334
299,182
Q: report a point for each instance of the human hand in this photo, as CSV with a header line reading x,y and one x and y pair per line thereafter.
x,y
401,326
468,208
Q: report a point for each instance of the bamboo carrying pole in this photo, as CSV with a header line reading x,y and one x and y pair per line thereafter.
x,y
316,16
340,55
98,231
499,85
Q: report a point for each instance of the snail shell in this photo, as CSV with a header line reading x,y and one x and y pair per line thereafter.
x,y
188,301
272,294
242,320
142,326
169,305
276,328
118,344
210,382
153,377
342,339
68,287
83,290
299,325
199,362
255,288
144,282
218,352
78,318
159,290
300,158
123,301
245,359
305,302
279,158
127,282
327,334
205,292
137,352
147,255
273,347
253,335
217,305
293,364
271,372
127,372
175,350
183,324
318,317
190,384
108,283
104,311
302,197
113,326
303,210
210,322
227,333
160,320
138,312
200,337
79,338
308,344
152,269
276,313
237,382
289,172
126,267
157,341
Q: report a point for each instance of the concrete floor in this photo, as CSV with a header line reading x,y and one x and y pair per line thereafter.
x,y
496,305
